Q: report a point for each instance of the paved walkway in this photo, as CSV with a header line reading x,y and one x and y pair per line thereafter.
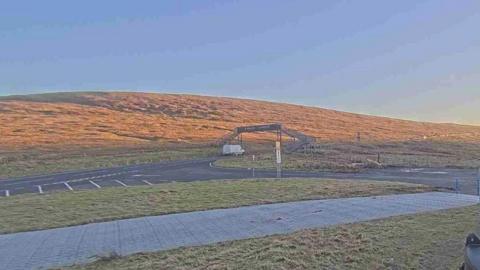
x,y
80,244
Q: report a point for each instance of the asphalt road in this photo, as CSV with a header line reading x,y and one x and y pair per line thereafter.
x,y
202,169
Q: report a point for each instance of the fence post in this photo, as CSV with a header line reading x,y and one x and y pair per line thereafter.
x,y
478,183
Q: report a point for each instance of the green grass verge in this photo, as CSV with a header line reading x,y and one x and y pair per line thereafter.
x,y
40,162
347,157
423,241
35,211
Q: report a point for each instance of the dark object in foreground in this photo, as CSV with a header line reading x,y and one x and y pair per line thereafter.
x,y
472,253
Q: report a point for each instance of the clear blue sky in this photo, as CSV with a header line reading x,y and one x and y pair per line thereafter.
x,y
408,59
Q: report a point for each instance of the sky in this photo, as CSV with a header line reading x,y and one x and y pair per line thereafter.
x,y
409,59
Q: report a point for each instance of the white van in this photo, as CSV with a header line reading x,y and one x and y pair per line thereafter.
x,y
232,149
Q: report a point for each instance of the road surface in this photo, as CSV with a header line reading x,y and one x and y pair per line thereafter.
x,y
80,244
202,169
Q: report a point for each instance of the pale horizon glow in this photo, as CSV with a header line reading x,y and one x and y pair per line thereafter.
x,y
415,60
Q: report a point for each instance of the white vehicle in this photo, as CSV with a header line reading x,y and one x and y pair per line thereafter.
x,y
232,149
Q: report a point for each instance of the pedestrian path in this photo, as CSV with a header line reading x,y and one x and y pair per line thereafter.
x,y
80,244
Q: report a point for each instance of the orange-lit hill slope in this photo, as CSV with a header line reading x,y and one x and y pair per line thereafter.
x,y
116,119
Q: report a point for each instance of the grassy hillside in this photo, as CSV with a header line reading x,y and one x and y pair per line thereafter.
x,y
70,131
110,119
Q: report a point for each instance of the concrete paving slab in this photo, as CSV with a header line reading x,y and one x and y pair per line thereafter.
x,y
80,244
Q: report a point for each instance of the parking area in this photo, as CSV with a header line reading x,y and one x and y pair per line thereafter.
x,y
84,184
63,186
456,180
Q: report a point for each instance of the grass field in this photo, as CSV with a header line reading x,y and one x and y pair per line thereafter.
x,y
348,157
33,211
328,156
35,162
424,241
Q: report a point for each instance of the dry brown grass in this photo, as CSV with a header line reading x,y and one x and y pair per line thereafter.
x,y
63,131
109,119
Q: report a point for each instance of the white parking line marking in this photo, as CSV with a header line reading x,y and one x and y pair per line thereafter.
x,y
121,183
68,186
412,170
7,193
95,184
40,190
435,172
146,182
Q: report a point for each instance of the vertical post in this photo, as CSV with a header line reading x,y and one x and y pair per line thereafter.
x,y
253,167
278,155
280,133
456,186
478,183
